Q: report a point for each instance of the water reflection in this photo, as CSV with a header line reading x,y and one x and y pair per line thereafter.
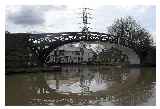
x,y
83,85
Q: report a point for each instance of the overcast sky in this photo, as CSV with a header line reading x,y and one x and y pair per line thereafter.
x,y
65,18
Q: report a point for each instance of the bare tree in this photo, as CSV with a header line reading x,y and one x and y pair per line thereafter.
x,y
129,33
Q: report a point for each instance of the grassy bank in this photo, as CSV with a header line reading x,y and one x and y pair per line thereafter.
x,y
32,70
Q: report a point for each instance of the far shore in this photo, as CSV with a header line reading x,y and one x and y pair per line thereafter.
x,y
58,68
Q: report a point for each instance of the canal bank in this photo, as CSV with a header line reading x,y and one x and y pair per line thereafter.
x,y
59,67
33,70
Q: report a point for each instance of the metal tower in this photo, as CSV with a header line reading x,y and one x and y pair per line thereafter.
x,y
85,25
85,16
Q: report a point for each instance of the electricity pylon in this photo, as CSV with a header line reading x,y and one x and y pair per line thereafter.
x,y
85,16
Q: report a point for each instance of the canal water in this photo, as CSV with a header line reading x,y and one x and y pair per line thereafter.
x,y
83,85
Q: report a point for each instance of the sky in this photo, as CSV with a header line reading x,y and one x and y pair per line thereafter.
x,y
67,18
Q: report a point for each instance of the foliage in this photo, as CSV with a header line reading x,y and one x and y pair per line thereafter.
x,y
131,34
112,56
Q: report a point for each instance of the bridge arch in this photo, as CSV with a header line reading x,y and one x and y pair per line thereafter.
x,y
45,43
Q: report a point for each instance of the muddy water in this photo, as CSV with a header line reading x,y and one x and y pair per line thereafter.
x,y
83,85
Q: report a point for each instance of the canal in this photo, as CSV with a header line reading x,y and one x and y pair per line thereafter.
x,y
83,85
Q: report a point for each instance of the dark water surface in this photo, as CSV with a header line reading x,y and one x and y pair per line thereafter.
x,y
83,85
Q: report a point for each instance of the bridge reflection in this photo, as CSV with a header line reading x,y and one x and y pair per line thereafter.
x,y
87,85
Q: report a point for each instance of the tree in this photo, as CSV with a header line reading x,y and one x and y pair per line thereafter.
x,y
128,33
7,32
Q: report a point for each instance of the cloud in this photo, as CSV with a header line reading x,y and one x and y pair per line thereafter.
x,y
144,15
32,15
58,8
27,16
60,18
